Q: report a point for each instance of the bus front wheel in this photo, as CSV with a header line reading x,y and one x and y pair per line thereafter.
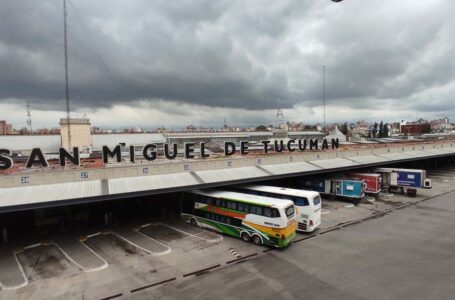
x,y
245,236
257,240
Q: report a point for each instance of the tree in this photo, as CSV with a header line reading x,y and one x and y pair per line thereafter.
x,y
261,128
375,130
381,130
344,128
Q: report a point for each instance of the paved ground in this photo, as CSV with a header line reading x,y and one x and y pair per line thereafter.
x,y
45,262
409,253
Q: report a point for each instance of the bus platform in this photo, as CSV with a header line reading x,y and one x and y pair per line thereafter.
x,y
11,276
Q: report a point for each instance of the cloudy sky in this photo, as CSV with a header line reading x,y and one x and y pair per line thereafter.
x,y
150,63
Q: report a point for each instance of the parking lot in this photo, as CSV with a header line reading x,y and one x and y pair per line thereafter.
x,y
139,258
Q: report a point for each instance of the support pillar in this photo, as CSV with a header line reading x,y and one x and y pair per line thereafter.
x,y
5,235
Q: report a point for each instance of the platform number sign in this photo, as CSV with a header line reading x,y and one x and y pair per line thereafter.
x,y
84,175
229,163
145,170
25,180
186,167
259,161
291,158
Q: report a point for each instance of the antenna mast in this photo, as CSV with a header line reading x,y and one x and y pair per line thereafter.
x,y
29,117
279,118
323,93
67,92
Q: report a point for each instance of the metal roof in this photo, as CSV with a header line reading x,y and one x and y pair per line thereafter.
x,y
49,192
210,176
441,151
107,183
304,133
395,155
47,143
100,140
289,168
174,135
369,159
333,163
417,153
144,183
280,190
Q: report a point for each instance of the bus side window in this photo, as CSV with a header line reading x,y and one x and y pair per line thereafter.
x,y
275,213
267,212
231,205
256,210
301,202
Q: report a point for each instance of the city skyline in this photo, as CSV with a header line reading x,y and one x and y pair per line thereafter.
x,y
175,65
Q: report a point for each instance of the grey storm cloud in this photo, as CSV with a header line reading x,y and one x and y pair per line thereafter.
x,y
236,54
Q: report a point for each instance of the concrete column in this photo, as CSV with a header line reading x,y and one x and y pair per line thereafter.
x,y
5,235
106,219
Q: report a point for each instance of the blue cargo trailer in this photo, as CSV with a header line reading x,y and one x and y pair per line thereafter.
x,y
404,178
348,188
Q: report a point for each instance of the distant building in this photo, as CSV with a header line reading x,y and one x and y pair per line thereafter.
x,y
5,128
80,133
415,128
441,125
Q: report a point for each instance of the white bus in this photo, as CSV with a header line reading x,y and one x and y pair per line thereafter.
x,y
307,203
262,220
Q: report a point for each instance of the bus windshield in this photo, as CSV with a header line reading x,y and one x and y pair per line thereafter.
x,y
317,200
301,201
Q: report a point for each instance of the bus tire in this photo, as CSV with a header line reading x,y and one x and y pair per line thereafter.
x,y
257,239
245,236
193,222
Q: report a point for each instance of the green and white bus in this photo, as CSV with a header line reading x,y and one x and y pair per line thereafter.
x,y
262,220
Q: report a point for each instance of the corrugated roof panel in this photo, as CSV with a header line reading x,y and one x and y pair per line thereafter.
x,y
154,182
441,151
286,168
417,153
49,192
333,163
369,159
395,155
230,174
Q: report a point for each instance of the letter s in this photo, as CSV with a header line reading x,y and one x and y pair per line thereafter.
x,y
6,162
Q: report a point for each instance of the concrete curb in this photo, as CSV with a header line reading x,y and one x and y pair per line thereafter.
x,y
104,265
15,287
190,234
158,242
